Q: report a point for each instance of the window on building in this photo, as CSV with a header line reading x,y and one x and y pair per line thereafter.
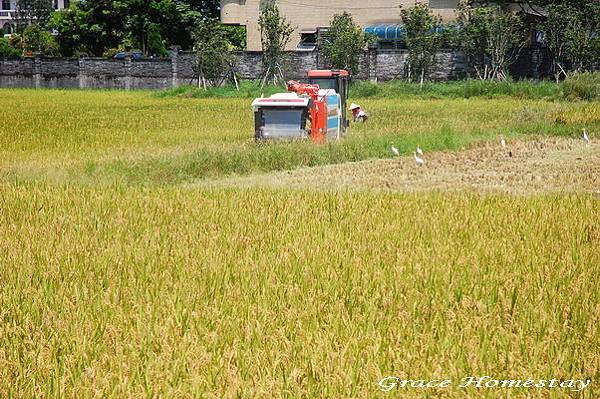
x,y
56,4
308,40
6,4
7,28
391,44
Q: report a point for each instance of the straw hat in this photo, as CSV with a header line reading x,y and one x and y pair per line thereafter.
x,y
354,106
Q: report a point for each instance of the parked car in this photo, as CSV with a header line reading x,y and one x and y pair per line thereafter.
x,y
136,55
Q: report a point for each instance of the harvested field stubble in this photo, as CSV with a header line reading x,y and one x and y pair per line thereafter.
x,y
538,165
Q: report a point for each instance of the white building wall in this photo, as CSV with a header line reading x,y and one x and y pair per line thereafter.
x,y
7,14
311,14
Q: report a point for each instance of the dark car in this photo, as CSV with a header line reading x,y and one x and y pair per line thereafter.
x,y
136,55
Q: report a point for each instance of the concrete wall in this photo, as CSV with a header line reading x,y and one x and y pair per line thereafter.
x,y
310,14
87,73
250,65
389,65
177,70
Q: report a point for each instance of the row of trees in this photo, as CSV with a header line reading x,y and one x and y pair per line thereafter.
x,y
492,37
345,43
104,27
490,34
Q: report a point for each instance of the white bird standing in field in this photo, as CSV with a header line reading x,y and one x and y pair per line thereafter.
x,y
585,137
418,160
419,151
395,151
502,142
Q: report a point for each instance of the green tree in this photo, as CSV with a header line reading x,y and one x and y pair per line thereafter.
x,y
583,36
470,35
236,35
193,12
208,9
571,35
6,50
142,18
214,60
345,43
103,26
490,37
507,38
32,12
560,20
155,43
275,33
35,39
423,39
89,27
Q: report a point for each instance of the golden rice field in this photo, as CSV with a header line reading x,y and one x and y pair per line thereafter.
x,y
122,274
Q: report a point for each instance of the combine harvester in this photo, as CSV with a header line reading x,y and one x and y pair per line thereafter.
x,y
320,103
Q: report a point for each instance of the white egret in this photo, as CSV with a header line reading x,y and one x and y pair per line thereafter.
x,y
585,137
419,150
502,142
395,151
418,160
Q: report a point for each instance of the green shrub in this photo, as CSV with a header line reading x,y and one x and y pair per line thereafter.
x,y
156,44
247,89
35,39
365,89
345,43
583,86
458,89
6,50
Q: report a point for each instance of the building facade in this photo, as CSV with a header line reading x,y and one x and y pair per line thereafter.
x,y
8,11
307,16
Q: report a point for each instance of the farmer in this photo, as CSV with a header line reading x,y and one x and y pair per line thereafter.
x,y
358,114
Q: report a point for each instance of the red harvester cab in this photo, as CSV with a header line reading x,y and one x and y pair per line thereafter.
x,y
336,79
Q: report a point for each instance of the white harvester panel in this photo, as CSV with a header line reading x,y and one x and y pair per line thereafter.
x,y
281,116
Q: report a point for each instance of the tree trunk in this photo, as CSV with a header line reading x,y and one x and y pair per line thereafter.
x,y
201,79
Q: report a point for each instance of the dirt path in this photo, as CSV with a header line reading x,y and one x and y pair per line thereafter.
x,y
537,165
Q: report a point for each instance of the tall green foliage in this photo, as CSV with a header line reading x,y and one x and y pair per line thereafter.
x,y
345,43
146,21
490,37
6,50
101,26
275,33
32,12
422,40
236,35
209,9
571,35
507,37
214,60
88,27
35,39
155,44
469,35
